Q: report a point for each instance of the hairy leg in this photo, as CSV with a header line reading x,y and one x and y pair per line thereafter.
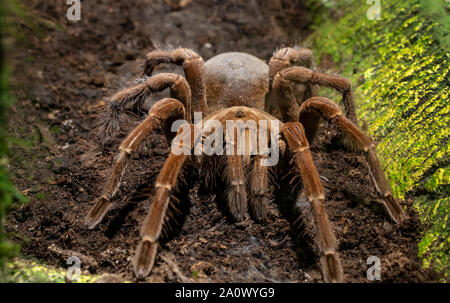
x,y
289,56
259,191
163,112
237,194
193,66
166,184
358,141
284,58
298,146
135,95
283,81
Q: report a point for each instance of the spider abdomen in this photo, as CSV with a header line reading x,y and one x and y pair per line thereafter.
x,y
236,79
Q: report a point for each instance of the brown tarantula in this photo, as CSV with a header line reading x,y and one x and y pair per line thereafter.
x,y
238,87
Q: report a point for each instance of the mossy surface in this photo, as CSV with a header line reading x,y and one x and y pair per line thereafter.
x,y
29,271
399,68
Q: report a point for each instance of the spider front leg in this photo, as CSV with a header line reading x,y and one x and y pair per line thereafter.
x,y
134,96
358,141
294,135
259,191
162,113
236,193
168,188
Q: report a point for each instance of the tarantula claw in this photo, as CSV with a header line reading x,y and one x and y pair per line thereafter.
x,y
332,268
97,212
258,209
237,203
144,258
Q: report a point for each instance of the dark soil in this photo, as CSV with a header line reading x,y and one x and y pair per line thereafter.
x,y
63,79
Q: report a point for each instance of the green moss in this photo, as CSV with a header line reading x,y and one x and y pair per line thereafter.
x,y
434,247
7,191
40,195
439,181
55,129
401,66
439,10
28,271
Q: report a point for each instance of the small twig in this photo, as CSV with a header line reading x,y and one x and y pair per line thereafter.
x,y
175,269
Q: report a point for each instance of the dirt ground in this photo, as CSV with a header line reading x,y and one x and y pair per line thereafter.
x,y
63,80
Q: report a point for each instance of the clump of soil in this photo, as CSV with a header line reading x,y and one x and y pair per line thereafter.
x,y
63,80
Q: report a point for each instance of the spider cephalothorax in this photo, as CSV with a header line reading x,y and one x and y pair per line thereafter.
x,y
243,171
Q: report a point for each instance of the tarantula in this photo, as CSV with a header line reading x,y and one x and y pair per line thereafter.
x,y
230,87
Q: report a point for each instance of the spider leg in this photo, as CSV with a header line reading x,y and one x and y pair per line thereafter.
x,y
166,185
294,135
162,113
135,95
289,107
241,172
287,57
259,193
284,58
358,141
237,194
193,66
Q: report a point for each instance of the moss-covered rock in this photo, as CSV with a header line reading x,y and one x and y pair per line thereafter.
x,y
399,67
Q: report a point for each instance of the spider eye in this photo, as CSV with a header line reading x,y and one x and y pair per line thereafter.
x,y
239,114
